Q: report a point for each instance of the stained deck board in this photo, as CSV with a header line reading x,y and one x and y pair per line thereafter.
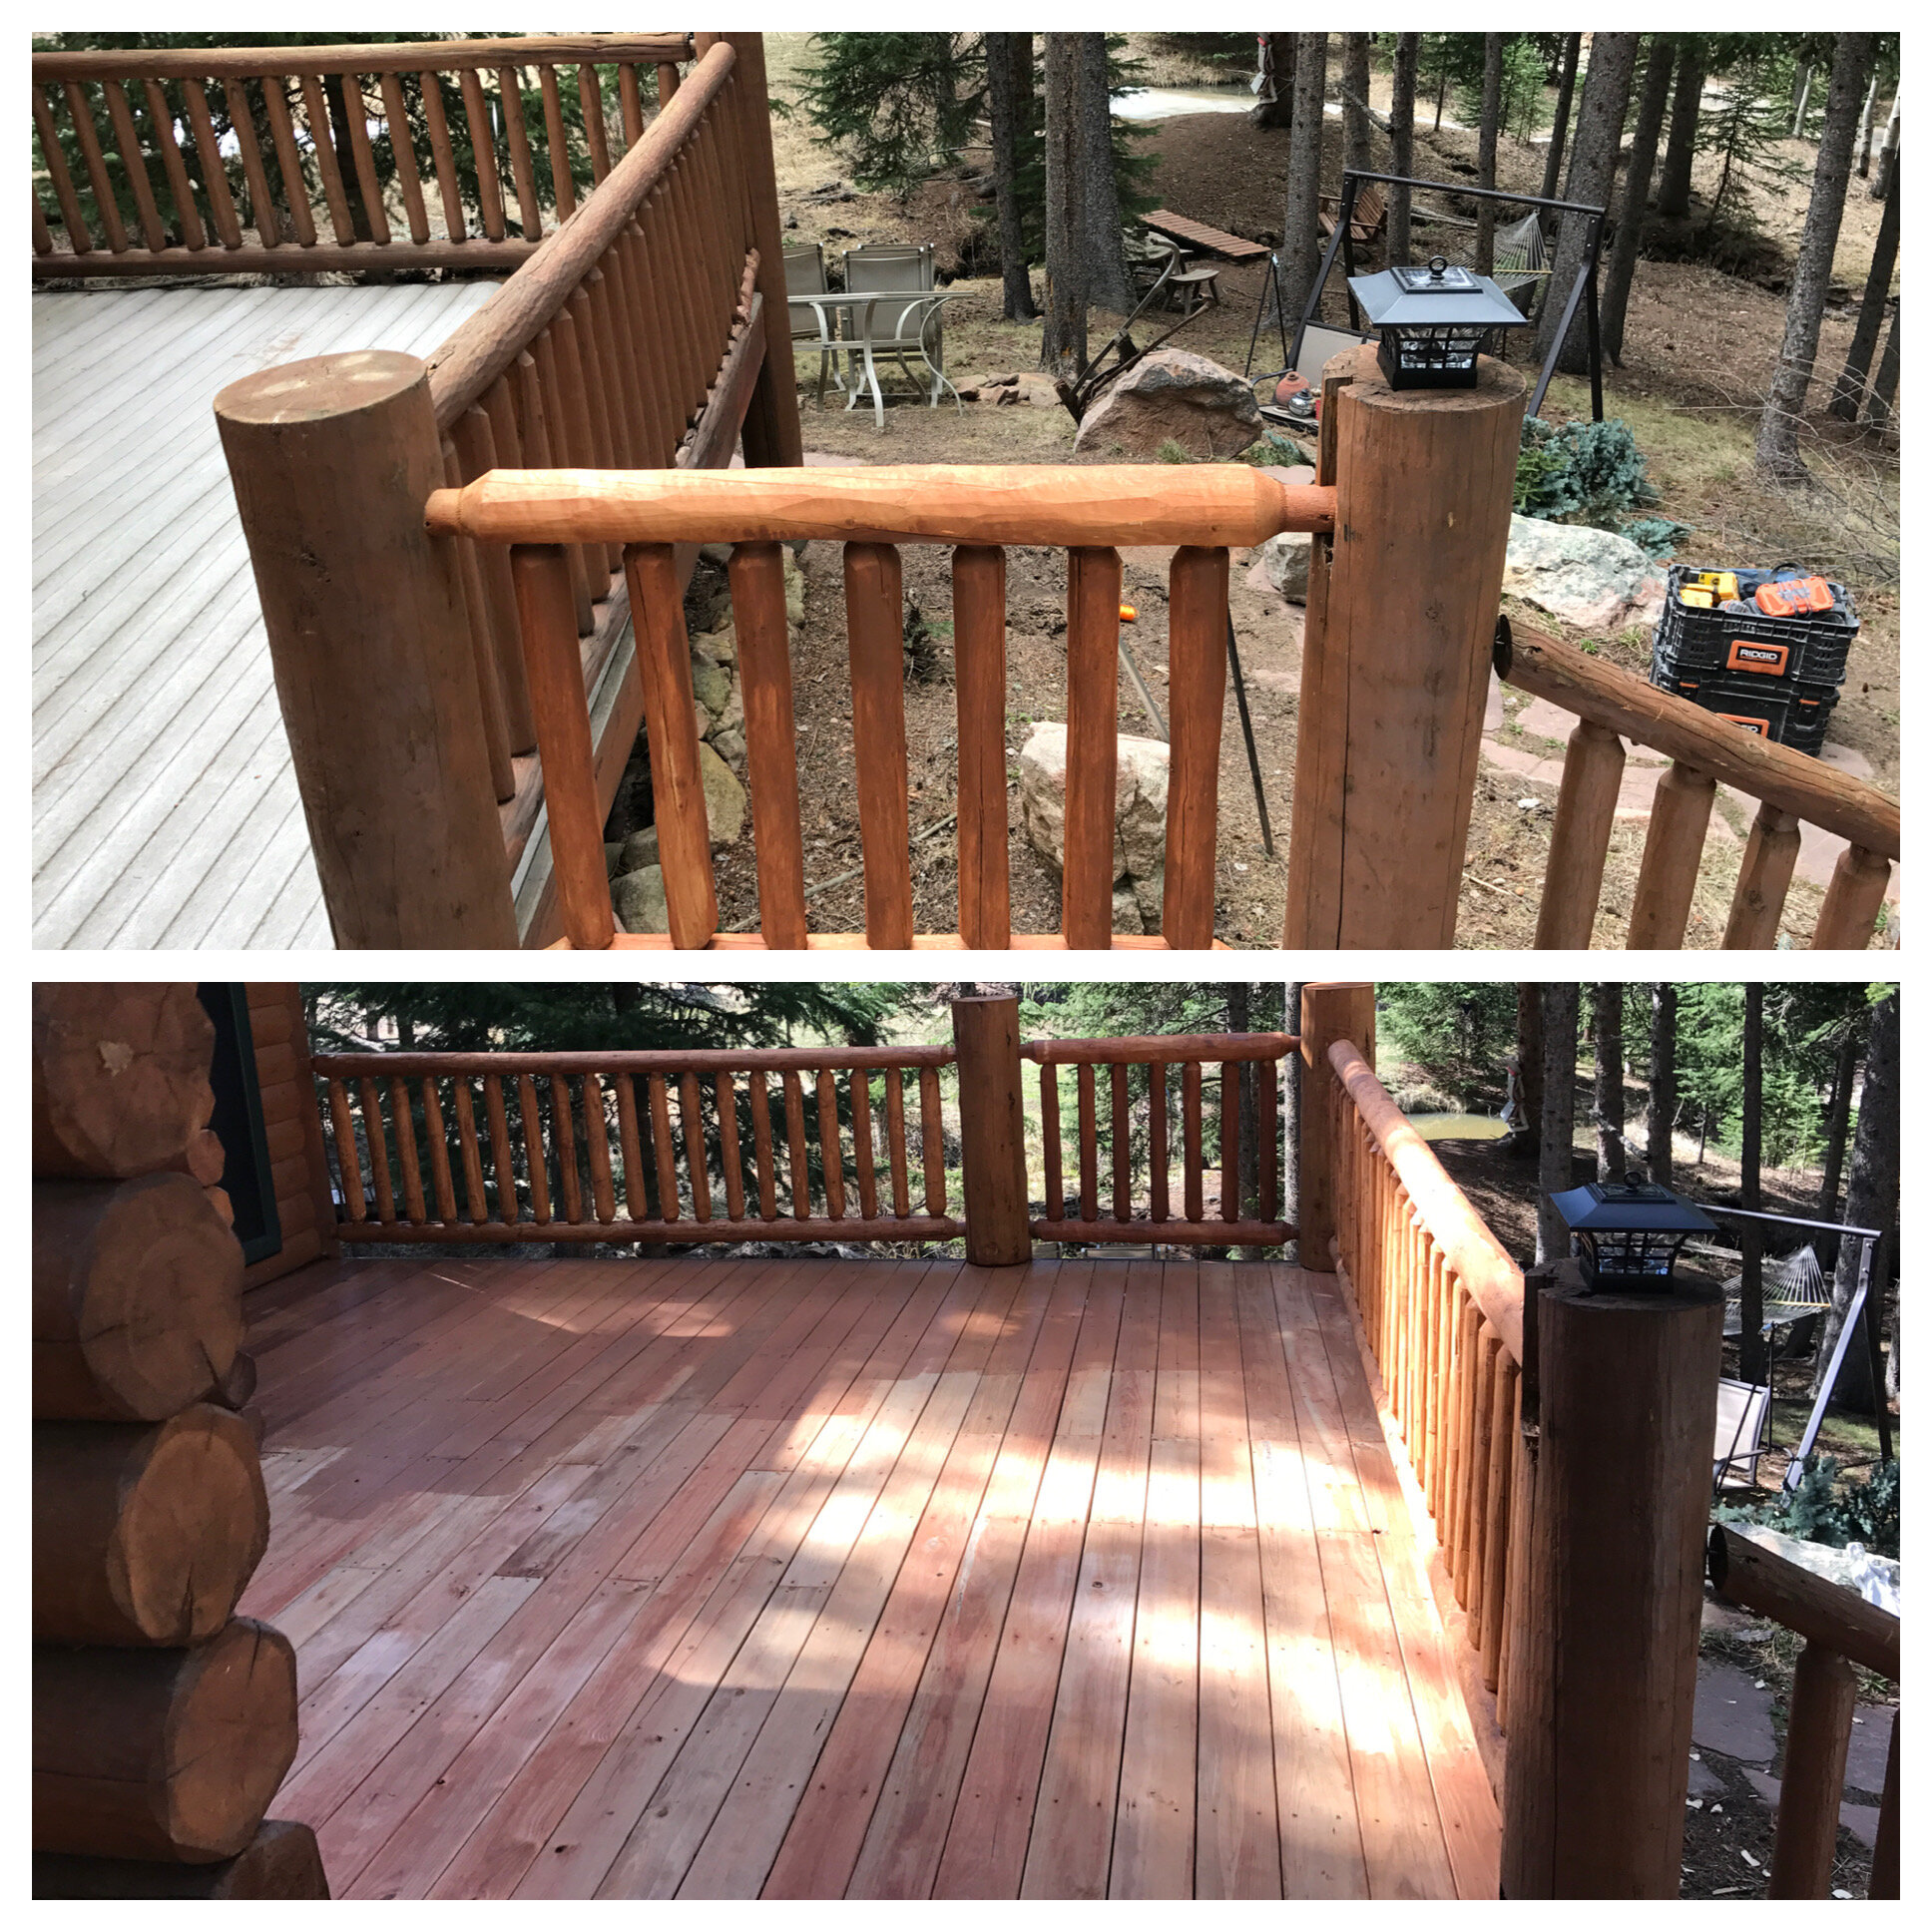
x,y
812,1578
165,811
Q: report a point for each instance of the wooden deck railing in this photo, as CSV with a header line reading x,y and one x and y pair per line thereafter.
x,y
548,517
582,1147
632,337
1791,789
407,148
1140,1116
1441,1304
1840,1628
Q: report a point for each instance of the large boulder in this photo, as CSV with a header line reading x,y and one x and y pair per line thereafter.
x,y
1140,814
1592,578
1285,563
1172,397
725,799
638,899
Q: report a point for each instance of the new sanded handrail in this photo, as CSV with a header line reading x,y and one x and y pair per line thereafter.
x,y
1611,696
701,1060
489,342
1826,1613
1479,1260
373,57
1062,506
1166,1049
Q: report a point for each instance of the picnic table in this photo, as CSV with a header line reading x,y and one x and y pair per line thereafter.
x,y
1198,234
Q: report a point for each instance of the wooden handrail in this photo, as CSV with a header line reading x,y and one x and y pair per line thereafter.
x,y
704,1060
929,503
1827,1612
372,57
1613,699
1479,1260
489,342
1165,1049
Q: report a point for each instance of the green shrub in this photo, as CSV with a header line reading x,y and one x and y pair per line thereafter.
x,y
1591,473
1819,1511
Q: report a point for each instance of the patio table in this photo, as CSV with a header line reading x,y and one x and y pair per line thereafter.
x,y
856,314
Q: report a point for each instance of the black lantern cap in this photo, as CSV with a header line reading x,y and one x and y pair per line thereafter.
x,y
1627,1232
1437,296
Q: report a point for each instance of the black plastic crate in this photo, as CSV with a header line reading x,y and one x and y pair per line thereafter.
x,y
1788,712
1813,647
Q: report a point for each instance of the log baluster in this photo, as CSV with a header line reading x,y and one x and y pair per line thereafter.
x,y
437,1136
281,131
795,1109
1762,880
875,627
403,1118
667,82
832,1155
597,1146
590,99
932,1131
580,415
1119,1121
1673,851
322,140
1191,1155
677,784
1502,1433
563,190
402,151
1088,1143
385,1194
637,1193
348,1160
895,1140
502,1151
1230,1141
1157,1141
489,187
631,101
770,739
133,164
1056,1203
476,1200
161,118
1196,682
979,688
761,1147
544,432
663,1147
868,1179
71,218
1852,901
1573,879
1270,1133
215,174
536,1161
265,216
356,115
473,435
449,184
522,167
106,207
1093,730
479,628
725,1092
691,1117
541,577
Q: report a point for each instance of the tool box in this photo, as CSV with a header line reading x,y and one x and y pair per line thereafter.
x,y
1777,676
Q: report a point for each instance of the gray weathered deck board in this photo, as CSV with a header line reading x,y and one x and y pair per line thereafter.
x,y
165,811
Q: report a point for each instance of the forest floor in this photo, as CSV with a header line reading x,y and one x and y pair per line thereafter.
x,y
1700,346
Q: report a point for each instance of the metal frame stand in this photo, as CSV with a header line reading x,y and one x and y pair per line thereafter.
x,y
1584,289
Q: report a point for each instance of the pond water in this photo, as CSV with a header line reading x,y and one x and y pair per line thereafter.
x,y
1458,1126
1159,103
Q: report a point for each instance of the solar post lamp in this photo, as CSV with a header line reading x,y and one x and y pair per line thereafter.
x,y
1433,322
1626,1233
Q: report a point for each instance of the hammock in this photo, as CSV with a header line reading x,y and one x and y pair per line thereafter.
x,y
1793,1289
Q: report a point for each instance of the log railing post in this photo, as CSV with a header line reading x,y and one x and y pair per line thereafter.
x,y
1824,1697
333,460
992,1129
1331,1010
1603,1662
1396,662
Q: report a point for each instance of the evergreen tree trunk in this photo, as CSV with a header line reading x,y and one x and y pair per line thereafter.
x,y
1003,105
1292,1113
1752,1361
1837,1127
1801,105
1100,196
1884,390
1664,1079
1486,151
1637,189
1674,188
1555,1163
1887,155
1529,1061
1592,166
1355,151
1402,142
1872,1200
1777,429
1559,128
1279,111
1871,316
1241,1019
1063,338
1300,255
1607,1026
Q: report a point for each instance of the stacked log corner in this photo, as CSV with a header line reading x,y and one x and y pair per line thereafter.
x,y
163,1724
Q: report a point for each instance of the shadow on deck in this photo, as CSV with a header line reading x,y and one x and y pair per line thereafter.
x,y
874,1579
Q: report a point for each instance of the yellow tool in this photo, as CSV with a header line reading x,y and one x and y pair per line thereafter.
x,y
1697,599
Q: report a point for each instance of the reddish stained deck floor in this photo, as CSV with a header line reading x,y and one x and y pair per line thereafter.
x,y
877,1578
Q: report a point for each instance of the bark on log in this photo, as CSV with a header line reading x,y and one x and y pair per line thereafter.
x,y
281,1861
144,1536
165,1755
236,1388
137,1299
120,1078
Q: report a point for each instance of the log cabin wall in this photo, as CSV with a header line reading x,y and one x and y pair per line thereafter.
x,y
298,1169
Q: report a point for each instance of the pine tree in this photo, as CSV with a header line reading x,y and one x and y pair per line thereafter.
x,y
1637,187
1560,125
1490,118
1300,255
1004,56
1354,105
1664,1079
1871,316
1063,338
1402,142
1673,186
1107,285
1607,1025
1555,1159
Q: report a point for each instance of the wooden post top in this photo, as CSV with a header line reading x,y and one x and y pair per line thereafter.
x,y
1499,385
321,386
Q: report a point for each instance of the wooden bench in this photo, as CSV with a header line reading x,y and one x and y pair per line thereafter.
x,y
1369,219
1198,234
